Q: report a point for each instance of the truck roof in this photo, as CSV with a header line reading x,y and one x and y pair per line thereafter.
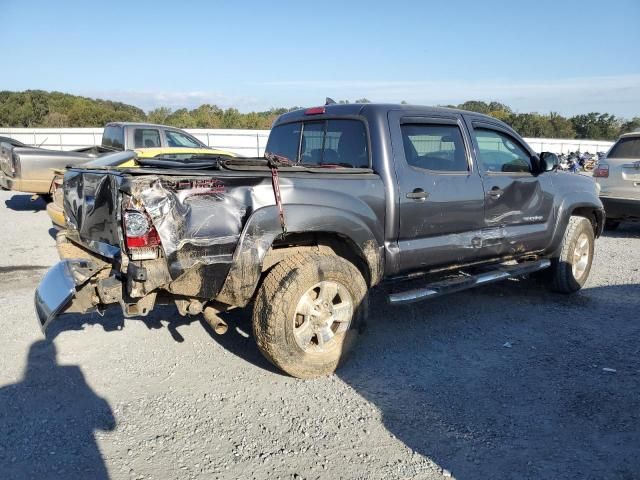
x,y
139,124
379,109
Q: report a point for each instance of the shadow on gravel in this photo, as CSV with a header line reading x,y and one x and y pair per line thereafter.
x,y
23,203
239,339
625,230
48,420
507,381
113,321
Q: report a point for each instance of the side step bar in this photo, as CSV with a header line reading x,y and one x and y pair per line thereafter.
x,y
463,283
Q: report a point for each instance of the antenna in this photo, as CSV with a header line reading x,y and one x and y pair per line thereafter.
x,y
329,101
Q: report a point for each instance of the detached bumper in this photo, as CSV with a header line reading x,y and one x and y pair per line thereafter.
x,y
59,287
56,214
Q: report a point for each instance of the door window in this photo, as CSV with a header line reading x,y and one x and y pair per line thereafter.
x,y
499,152
434,147
146,138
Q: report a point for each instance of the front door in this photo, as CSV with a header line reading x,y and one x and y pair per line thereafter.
x,y
518,202
441,204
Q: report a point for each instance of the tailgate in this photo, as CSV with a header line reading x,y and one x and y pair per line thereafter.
x,y
91,206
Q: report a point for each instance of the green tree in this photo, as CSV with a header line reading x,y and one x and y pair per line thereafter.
x,y
158,115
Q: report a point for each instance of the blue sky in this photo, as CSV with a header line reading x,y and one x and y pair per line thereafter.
x,y
565,56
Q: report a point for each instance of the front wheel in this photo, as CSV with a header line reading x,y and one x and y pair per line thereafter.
x,y
306,313
569,272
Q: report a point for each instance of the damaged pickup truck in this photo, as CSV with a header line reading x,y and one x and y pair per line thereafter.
x,y
418,201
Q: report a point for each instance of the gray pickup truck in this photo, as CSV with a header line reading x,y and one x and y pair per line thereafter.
x,y
417,201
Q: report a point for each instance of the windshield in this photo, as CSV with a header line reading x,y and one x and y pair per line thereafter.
x,y
178,139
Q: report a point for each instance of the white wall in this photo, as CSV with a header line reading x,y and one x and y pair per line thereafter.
x,y
243,142
559,145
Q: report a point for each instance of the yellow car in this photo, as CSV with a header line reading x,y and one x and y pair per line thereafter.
x,y
55,209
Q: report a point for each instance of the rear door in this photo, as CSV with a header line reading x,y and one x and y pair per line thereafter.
x,y
441,202
519,203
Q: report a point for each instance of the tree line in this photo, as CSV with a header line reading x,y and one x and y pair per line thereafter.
x,y
37,108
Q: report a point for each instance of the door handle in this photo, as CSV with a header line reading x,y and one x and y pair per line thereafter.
x,y
495,192
418,194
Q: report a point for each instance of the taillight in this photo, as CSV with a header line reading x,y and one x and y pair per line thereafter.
x,y
601,171
141,238
314,111
15,163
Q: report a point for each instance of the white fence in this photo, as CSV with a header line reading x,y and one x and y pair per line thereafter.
x,y
243,142
559,145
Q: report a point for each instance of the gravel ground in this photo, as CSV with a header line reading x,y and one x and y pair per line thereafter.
x,y
507,381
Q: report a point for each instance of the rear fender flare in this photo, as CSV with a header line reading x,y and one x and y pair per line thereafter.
x,y
263,228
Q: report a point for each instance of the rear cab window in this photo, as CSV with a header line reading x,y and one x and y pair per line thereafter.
x,y
626,147
323,143
146,138
113,137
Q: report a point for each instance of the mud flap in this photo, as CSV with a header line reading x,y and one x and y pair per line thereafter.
x,y
60,285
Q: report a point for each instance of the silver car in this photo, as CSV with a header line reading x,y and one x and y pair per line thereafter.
x,y
618,175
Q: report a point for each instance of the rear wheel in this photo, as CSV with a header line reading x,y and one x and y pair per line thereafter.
x,y
569,272
306,313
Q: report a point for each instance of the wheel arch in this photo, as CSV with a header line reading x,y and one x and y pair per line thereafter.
x,y
263,244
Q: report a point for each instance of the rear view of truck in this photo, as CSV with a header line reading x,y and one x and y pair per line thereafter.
x,y
211,234
129,236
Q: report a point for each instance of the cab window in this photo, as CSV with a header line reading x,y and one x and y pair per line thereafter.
x,y
146,138
341,142
284,141
335,142
500,153
113,137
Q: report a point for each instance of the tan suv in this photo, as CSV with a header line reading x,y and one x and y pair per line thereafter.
x,y
618,175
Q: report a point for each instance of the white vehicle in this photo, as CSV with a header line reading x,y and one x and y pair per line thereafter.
x,y
618,175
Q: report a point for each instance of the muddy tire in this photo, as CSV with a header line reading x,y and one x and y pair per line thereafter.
x,y
307,313
610,224
569,272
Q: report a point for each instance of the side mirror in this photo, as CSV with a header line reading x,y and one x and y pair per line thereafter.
x,y
548,162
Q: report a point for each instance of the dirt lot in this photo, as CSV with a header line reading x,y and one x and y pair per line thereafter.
x,y
507,381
